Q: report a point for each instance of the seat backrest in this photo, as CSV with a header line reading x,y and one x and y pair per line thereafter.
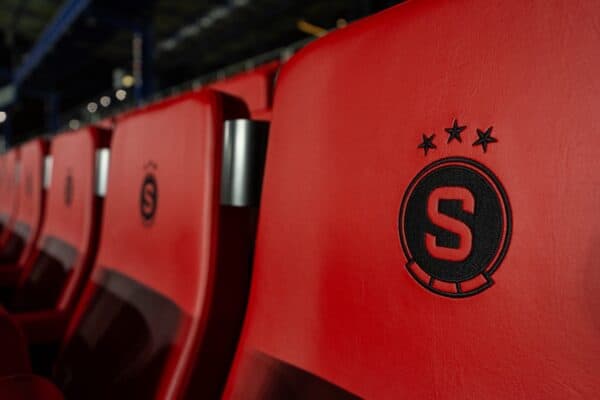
x,y
255,87
429,224
142,317
18,242
8,185
64,252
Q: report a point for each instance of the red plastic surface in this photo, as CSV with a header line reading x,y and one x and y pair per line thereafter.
x,y
8,185
30,194
254,87
74,220
73,154
331,294
161,253
72,215
106,123
179,143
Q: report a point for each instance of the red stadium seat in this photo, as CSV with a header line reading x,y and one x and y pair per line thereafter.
x,y
429,225
8,186
18,240
255,87
65,251
162,311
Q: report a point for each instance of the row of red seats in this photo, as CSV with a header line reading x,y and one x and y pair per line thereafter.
x,y
138,293
427,226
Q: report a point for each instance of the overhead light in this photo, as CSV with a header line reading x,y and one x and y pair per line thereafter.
x,y
128,81
167,45
105,101
92,107
120,94
2,116
189,31
74,124
206,22
218,12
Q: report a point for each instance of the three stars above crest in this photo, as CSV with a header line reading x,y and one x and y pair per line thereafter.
x,y
427,143
454,133
485,138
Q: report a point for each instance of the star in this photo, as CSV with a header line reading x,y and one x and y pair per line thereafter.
x,y
455,132
427,143
485,138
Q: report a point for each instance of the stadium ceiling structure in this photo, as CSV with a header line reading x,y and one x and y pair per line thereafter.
x,y
56,55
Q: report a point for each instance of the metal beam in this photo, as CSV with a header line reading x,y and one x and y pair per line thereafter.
x,y
143,61
61,22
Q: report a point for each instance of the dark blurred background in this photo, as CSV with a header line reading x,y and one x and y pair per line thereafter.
x,y
65,63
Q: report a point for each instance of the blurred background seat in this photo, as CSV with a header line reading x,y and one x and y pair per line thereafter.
x,y
50,282
8,185
17,241
172,270
255,87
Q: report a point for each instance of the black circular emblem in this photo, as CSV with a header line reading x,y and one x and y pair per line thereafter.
x,y
68,189
455,227
148,198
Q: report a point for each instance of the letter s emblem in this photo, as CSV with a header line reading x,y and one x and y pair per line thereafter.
x,y
450,224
